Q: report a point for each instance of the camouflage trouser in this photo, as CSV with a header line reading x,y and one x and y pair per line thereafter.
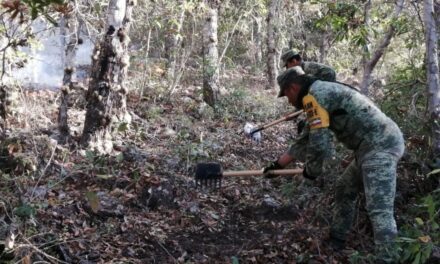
x,y
376,174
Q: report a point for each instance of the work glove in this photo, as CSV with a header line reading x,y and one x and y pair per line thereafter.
x,y
300,126
308,176
274,165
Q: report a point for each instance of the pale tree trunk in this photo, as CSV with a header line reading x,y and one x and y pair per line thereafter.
x,y
367,19
69,34
256,36
106,95
173,41
432,72
2,111
383,44
323,47
211,89
437,21
272,69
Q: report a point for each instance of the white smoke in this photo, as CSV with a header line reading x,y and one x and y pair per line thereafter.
x,y
45,68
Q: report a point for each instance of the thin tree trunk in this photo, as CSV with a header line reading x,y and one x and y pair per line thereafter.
x,y
323,48
106,96
432,71
366,49
437,21
185,55
384,43
211,90
257,43
2,111
173,41
70,41
272,69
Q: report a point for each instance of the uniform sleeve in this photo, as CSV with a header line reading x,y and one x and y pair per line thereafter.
x,y
298,149
320,140
319,148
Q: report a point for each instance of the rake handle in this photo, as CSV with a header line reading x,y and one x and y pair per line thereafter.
x,y
297,113
260,172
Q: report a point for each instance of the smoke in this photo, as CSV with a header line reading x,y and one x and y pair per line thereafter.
x,y
45,68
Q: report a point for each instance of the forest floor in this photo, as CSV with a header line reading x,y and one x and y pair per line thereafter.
x,y
140,204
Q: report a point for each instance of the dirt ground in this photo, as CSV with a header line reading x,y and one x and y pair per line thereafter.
x,y
140,204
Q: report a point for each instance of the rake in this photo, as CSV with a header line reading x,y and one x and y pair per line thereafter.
x,y
210,174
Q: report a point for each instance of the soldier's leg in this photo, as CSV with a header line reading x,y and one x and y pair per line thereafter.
x,y
379,178
348,187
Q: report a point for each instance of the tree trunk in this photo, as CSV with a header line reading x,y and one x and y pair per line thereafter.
x,y
257,43
211,90
384,43
272,69
2,111
69,34
323,47
173,41
106,96
432,72
366,48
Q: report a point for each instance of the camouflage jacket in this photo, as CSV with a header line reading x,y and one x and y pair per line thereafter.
x,y
320,71
335,109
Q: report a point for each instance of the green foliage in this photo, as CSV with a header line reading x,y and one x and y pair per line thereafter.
x,y
422,233
39,7
358,258
97,164
404,102
341,18
24,211
289,189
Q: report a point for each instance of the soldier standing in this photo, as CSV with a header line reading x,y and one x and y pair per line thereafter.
x,y
292,58
375,139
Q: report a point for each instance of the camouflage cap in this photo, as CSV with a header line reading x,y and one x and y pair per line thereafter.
x,y
287,77
288,55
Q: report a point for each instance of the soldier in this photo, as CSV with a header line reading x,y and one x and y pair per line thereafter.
x,y
322,72
375,139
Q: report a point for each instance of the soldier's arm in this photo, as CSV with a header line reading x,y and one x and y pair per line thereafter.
x,y
298,149
319,143
319,148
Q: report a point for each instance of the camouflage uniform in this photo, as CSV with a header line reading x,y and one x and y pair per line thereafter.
x,y
318,70
377,143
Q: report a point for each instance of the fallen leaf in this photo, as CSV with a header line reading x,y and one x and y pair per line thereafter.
x,y
425,239
93,200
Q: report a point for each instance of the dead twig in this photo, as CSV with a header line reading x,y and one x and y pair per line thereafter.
x,y
166,250
29,245
43,172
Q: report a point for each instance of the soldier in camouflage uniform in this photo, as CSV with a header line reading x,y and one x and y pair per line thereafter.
x,y
375,139
322,72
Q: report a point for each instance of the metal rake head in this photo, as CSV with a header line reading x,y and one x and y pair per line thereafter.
x,y
208,175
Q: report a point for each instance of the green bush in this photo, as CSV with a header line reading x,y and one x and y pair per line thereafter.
x,y
422,233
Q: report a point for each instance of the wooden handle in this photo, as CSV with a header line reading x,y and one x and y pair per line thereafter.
x,y
297,113
260,172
